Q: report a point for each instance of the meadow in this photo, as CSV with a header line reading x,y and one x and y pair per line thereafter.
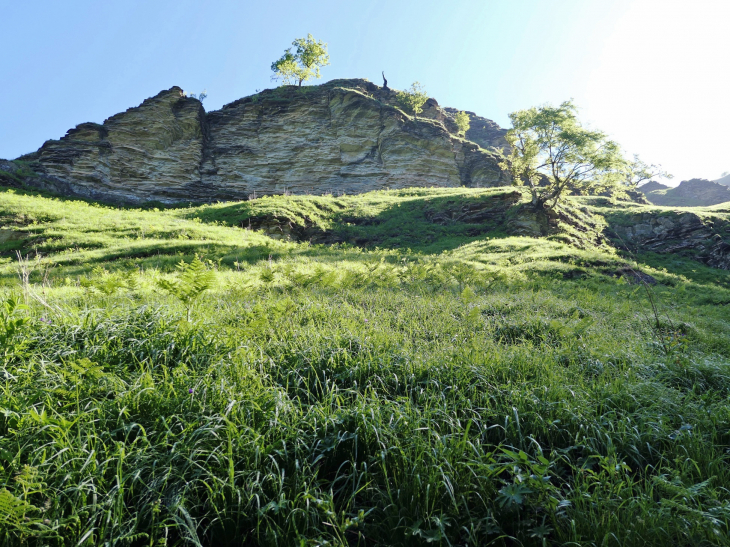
x,y
381,371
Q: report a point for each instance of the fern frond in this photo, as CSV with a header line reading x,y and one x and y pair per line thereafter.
x,y
13,510
192,280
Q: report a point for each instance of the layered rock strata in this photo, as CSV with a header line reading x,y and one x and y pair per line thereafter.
x,y
346,136
676,233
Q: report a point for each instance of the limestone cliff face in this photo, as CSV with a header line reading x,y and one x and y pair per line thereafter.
x,y
149,152
342,137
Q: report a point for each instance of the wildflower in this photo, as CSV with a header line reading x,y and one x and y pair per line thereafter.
x,y
190,390
366,320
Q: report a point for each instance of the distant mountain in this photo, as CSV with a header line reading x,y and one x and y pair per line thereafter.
x,y
653,186
689,193
725,181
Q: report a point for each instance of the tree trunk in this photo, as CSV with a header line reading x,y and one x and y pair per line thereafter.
x,y
538,203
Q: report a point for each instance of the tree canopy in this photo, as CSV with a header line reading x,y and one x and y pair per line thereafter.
x,y
637,172
552,153
303,64
413,98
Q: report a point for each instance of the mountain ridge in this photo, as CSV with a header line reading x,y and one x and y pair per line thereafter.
x,y
689,193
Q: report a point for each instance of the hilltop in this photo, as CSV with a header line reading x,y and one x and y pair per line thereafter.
x,y
344,136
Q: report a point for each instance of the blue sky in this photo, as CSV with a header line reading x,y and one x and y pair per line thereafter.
x,y
652,73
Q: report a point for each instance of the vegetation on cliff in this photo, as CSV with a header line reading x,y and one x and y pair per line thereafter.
x,y
426,384
302,65
412,99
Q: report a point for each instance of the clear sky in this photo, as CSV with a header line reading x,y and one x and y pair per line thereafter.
x,y
654,74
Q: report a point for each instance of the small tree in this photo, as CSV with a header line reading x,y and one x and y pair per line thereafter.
x,y
637,172
463,122
200,96
552,153
303,64
413,98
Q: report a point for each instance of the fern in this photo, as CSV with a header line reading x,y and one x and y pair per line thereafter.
x,y
108,283
12,326
192,280
14,519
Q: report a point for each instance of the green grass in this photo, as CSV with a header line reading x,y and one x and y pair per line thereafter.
x,y
468,389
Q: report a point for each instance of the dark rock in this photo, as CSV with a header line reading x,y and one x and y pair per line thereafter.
x,y
673,232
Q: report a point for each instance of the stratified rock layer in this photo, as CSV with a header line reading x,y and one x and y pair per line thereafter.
x,y
675,233
346,136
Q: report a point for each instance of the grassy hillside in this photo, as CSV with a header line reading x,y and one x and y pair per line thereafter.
x,y
393,368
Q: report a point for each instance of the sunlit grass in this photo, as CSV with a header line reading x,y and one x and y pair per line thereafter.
x,y
503,390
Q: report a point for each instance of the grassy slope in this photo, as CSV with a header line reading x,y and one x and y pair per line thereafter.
x,y
451,389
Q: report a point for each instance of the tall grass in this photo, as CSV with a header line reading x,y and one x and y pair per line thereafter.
x,y
507,392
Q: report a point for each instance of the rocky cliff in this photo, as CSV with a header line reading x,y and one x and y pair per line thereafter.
x,y
689,193
346,136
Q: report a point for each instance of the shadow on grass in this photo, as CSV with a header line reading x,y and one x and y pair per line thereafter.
x,y
428,224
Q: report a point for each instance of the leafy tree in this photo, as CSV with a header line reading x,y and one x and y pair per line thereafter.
x,y
412,98
553,154
637,172
303,64
462,122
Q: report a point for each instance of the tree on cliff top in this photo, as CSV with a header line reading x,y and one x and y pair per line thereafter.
x,y
303,64
412,98
553,154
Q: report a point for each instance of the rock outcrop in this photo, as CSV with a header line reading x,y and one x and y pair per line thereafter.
x,y
484,132
346,136
674,232
689,193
